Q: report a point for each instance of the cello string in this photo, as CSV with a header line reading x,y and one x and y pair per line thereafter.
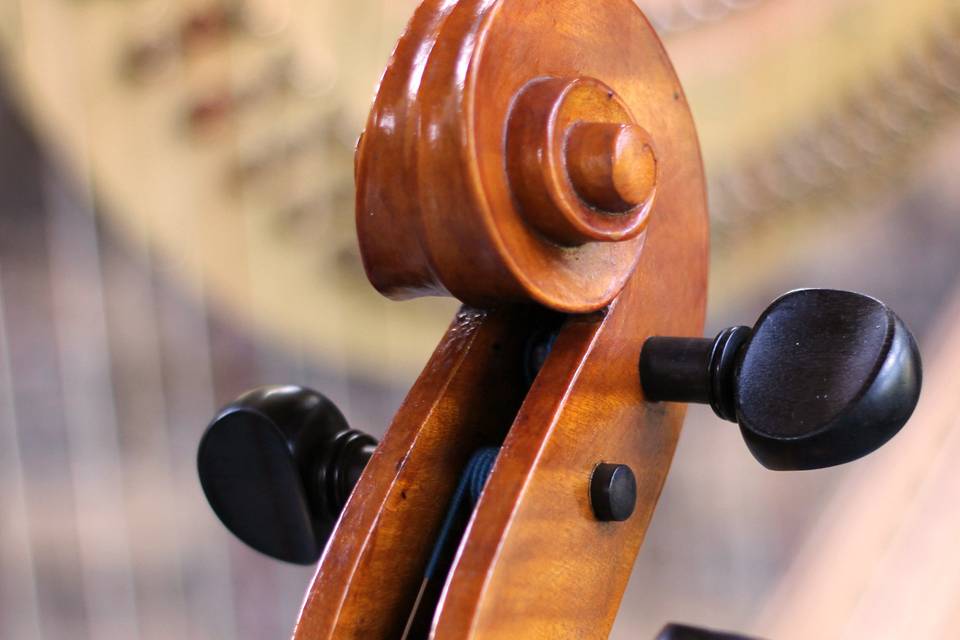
x,y
19,576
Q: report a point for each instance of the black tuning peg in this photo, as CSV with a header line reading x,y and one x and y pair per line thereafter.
x,y
686,632
277,465
823,378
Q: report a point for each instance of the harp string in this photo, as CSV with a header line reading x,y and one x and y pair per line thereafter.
x,y
16,547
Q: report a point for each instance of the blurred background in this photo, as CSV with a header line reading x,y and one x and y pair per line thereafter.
x,y
176,227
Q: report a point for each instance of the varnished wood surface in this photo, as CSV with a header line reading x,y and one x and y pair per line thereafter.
x,y
387,196
535,563
612,166
564,184
436,209
466,399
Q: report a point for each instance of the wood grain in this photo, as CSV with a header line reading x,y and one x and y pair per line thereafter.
x,y
465,399
439,207
534,563
554,169
612,166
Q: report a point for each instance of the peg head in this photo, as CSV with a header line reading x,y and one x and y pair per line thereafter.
x,y
825,378
277,466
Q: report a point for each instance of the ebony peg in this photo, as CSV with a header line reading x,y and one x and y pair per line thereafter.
x,y
686,632
824,377
613,492
277,465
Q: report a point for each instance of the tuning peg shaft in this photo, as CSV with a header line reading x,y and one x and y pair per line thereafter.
x,y
277,466
824,377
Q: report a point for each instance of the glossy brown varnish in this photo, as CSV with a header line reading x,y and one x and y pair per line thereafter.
x,y
612,166
550,163
534,562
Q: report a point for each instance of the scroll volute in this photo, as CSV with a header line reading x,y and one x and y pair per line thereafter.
x,y
520,151
523,171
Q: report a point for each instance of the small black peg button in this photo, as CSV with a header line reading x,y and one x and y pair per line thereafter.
x,y
823,378
277,466
613,492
